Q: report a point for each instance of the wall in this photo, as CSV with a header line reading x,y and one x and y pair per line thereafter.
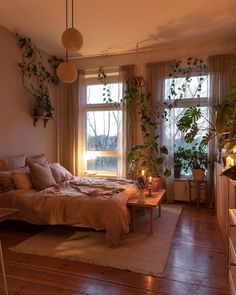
x,y
17,133
162,54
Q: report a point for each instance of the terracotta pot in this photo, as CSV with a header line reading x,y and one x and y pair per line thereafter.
x,y
156,184
198,174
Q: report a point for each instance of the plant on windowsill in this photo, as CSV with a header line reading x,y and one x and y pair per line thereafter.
x,y
36,77
148,156
194,157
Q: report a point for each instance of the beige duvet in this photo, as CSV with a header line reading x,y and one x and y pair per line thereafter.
x,y
84,202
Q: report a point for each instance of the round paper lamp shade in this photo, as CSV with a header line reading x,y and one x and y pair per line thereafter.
x,y
66,72
72,39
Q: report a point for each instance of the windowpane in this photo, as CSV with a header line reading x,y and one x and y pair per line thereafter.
x,y
102,164
103,133
191,87
94,93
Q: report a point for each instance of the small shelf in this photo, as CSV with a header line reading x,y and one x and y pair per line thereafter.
x,y
45,120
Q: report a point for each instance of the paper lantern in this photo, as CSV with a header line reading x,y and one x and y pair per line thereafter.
x,y
66,72
72,39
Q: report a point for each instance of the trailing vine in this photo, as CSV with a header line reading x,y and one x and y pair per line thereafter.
x,y
148,155
36,76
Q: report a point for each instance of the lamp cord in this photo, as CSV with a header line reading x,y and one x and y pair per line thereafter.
x,y
72,13
66,26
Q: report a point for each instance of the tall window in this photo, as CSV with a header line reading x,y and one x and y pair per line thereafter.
x,y
103,127
192,96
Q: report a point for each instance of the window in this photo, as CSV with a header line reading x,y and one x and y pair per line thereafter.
x,y
103,128
192,95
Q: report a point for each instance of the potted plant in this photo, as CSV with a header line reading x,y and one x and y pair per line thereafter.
x,y
194,157
36,77
149,155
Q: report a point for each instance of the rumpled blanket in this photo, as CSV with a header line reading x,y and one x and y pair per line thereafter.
x,y
84,202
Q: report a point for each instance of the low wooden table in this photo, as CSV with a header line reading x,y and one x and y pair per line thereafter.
x,y
5,213
151,202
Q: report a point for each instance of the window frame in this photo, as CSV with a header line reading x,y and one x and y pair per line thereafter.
x,y
96,107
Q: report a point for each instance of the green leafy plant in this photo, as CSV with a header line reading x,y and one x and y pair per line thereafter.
x,y
222,127
148,155
194,157
36,77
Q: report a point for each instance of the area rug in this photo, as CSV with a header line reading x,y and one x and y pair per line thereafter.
x,y
139,251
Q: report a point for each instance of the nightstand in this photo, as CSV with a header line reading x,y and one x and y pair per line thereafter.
x,y
150,203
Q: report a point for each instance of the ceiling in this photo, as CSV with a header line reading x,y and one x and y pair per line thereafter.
x,y
112,27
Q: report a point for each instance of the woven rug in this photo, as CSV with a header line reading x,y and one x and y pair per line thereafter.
x,y
139,252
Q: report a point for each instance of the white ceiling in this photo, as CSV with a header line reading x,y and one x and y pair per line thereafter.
x,y
116,26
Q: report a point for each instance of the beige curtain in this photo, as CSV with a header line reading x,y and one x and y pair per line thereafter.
x,y
156,75
70,124
129,127
221,72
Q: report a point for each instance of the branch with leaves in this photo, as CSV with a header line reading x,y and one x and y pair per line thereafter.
x,y
36,76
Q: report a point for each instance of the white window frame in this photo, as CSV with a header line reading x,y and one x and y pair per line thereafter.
x,y
89,107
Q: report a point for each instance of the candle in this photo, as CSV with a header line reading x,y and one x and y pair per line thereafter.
x,y
142,172
229,162
150,186
234,152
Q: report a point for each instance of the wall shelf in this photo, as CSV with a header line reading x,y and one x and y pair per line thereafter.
x,y
45,120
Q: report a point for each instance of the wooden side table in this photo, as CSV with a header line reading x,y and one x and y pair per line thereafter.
x,y
5,213
198,185
151,202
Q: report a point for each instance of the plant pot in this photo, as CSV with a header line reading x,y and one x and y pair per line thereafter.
x,y
156,184
198,174
177,172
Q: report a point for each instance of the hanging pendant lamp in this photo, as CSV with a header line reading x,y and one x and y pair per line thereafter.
x,y
66,71
71,38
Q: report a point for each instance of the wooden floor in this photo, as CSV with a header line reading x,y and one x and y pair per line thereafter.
x,y
196,265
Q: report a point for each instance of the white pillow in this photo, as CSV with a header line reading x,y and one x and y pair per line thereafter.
x,y
60,173
22,180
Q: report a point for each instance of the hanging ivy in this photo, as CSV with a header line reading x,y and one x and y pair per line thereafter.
x,y
36,75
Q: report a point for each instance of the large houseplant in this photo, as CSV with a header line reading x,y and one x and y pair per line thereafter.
x,y
148,155
37,74
194,157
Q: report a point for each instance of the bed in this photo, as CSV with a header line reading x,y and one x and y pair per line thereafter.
x,y
85,202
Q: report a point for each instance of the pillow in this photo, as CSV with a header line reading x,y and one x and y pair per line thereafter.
x,y
3,164
60,173
6,181
16,162
36,159
41,175
22,180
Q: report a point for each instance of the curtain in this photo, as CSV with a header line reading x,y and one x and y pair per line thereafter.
x,y
71,126
156,74
221,72
129,127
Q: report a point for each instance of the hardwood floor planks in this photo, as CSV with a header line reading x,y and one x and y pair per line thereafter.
x,y
197,264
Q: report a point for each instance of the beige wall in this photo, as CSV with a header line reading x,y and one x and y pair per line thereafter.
x,y
162,54
17,133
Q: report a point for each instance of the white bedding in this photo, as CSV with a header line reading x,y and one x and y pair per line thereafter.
x,y
84,202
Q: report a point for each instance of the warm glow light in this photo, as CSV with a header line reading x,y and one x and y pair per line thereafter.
x,y
67,72
229,162
142,172
92,155
150,178
72,39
